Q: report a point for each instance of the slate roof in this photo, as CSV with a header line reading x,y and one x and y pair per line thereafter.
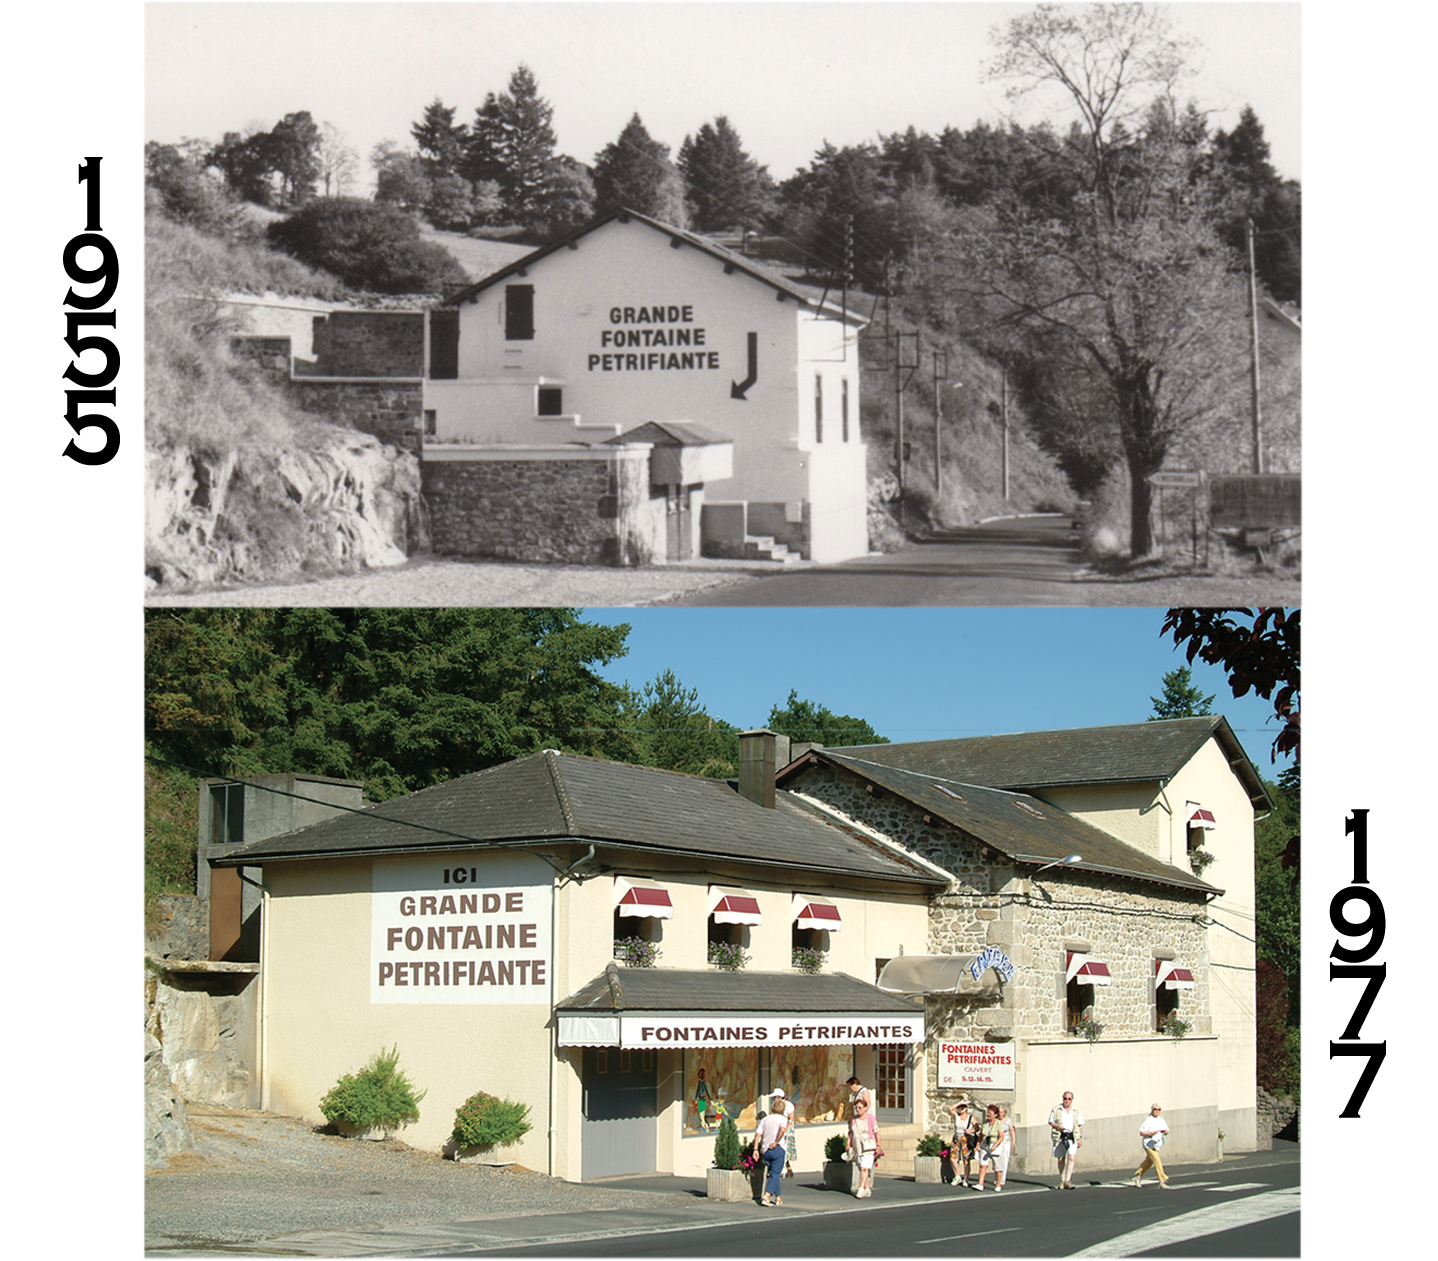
x,y
731,261
1029,761
680,989
1017,825
559,797
674,433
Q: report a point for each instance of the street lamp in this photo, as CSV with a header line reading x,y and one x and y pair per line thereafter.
x,y
1067,861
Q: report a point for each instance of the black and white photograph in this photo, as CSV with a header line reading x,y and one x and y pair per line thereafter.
x,y
682,624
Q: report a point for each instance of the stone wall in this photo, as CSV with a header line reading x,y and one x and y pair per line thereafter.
x,y
180,930
1123,923
1277,1118
367,344
582,509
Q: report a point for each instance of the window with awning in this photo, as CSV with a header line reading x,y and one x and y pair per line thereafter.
x,y
1086,970
816,912
641,898
733,906
1172,977
1198,817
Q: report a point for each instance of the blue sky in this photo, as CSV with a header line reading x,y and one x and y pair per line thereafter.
x,y
788,76
928,674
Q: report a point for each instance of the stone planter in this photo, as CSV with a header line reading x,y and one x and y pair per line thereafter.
x,y
928,1168
839,1175
730,1185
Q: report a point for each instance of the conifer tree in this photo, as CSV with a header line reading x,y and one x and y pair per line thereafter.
x,y
725,186
634,173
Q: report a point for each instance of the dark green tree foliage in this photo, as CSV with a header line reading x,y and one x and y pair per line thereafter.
x,y
294,145
673,731
727,1152
188,193
380,1095
806,720
484,157
843,211
634,173
246,162
511,143
398,698
569,196
727,189
368,245
1180,699
484,1120
1240,165
440,140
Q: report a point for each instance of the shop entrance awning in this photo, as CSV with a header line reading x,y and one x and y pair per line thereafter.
x,y
676,1009
936,974
633,896
733,906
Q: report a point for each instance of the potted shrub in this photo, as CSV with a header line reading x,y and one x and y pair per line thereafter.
x,y
1174,1025
807,959
727,1179
1088,1028
929,1160
635,952
482,1123
374,1102
838,1172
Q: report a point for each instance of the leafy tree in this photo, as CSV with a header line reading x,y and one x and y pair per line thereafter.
x,y
806,720
675,732
400,177
398,698
1180,699
1123,281
634,173
295,144
726,187
569,196
188,193
337,162
369,245
246,162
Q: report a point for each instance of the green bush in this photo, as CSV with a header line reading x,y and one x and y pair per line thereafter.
x,y
834,1147
380,1096
727,1154
930,1145
485,1121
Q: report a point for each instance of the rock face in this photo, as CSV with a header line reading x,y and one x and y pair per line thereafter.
x,y
344,503
167,1126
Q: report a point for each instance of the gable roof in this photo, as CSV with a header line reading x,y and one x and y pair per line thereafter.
x,y
1137,752
1021,827
731,262
552,797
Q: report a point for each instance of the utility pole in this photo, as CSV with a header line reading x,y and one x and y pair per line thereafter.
x,y
1005,414
1253,354
941,357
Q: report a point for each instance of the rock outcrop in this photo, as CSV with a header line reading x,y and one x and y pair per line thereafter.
x,y
167,1125
343,503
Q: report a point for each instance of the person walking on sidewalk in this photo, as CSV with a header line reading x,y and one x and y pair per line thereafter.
x,y
857,1091
769,1147
993,1147
966,1140
1066,1123
1151,1134
862,1146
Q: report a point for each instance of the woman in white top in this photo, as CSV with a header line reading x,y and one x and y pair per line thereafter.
x,y
1152,1133
769,1147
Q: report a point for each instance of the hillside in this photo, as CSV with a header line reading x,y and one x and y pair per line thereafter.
x,y
239,483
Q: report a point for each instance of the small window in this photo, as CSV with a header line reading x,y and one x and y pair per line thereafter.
x,y
227,814
519,313
844,408
818,407
725,934
1078,1002
431,422
551,400
1165,1002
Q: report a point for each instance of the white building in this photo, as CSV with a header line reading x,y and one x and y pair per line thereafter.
x,y
628,322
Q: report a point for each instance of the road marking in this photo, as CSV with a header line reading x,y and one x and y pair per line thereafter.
x,y
1243,1186
1195,1225
974,1235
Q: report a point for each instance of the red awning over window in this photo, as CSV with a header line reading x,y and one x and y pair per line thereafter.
x,y
733,906
816,912
1087,971
1171,977
1201,818
642,897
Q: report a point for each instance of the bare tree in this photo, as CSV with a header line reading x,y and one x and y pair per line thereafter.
x,y
338,162
1120,280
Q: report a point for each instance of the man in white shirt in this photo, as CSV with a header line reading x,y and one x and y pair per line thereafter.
x,y
1066,1123
1152,1133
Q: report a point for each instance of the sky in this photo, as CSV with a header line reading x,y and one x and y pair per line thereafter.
x,y
929,674
788,76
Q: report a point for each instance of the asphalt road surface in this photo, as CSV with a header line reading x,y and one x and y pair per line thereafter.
x,y
1012,562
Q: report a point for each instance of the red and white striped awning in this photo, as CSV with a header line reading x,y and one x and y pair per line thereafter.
x,y
816,912
633,896
1172,977
1201,818
733,906
1087,971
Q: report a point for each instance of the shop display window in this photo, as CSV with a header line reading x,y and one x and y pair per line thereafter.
x,y
739,1080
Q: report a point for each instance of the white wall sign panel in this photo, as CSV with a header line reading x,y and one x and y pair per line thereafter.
x,y
976,1065
768,1029
460,929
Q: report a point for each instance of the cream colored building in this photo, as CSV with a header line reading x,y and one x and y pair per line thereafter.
x,y
545,931
628,322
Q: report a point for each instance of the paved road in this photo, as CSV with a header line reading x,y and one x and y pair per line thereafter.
x,y
1248,1206
1012,562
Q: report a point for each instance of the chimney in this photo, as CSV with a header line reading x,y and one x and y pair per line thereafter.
x,y
759,757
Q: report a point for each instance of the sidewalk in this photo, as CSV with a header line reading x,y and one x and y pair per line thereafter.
x,y
802,1194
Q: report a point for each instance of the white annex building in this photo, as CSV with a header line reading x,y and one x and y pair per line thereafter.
x,y
628,323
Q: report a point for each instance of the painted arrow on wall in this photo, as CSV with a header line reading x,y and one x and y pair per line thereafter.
x,y
738,389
